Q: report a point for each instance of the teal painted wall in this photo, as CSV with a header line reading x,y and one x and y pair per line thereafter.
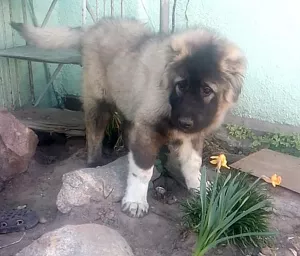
x,y
268,32
14,74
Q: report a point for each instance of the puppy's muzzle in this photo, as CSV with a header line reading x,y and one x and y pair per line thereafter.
x,y
185,123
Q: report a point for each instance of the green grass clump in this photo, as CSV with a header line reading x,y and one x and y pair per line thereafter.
x,y
284,143
234,209
114,124
114,129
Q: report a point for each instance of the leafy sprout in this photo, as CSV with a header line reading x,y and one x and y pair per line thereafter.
x,y
233,209
114,127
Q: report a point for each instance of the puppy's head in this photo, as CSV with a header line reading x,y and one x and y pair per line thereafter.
x,y
205,77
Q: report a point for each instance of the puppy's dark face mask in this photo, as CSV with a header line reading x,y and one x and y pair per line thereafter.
x,y
195,95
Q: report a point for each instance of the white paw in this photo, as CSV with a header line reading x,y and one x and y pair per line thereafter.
x,y
135,209
194,190
193,184
134,203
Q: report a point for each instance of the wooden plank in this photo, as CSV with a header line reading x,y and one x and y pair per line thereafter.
x,y
68,122
268,162
32,53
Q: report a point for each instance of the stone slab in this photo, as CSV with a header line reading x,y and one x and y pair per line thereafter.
x,y
268,162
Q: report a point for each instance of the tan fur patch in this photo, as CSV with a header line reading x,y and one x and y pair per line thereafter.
x,y
184,43
219,116
234,60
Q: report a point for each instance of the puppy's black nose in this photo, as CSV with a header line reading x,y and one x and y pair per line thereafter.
x,y
185,123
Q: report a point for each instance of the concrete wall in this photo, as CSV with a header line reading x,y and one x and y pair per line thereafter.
x,y
268,32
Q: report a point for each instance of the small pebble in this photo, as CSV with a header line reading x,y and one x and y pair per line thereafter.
x,y
43,220
172,200
20,207
293,252
1,185
219,252
160,190
266,251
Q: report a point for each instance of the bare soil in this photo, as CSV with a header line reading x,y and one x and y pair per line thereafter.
x,y
160,233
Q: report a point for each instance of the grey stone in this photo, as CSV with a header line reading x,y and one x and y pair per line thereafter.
x,y
231,144
79,240
1,185
267,251
17,146
102,184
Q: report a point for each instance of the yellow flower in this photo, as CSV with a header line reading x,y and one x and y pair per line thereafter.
x,y
275,179
220,161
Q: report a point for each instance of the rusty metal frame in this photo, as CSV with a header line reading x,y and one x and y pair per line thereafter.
x,y
164,27
164,16
85,7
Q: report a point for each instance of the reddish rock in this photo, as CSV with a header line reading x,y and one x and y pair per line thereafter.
x,y
17,145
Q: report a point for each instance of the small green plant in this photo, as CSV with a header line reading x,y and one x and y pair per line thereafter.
x,y
114,127
161,161
114,124
234,209
239,132
284,143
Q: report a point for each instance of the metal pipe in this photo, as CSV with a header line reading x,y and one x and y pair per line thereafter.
x,y
49,13
104,7
30,72
55,73
83,12
91,11
46,68
164,16
121,8
97,9
111,8
173,16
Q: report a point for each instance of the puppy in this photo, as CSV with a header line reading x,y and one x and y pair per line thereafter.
x,y
171,89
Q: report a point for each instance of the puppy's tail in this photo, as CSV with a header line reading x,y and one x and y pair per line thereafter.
x,y
50,38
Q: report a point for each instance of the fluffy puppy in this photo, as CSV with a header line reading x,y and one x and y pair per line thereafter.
x,y
171,89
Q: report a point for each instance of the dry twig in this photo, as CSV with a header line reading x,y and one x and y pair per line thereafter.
x,y
185,13
18,241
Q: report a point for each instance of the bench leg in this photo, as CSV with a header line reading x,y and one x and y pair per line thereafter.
x,y
53,77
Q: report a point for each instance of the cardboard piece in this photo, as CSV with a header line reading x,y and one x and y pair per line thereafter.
x,y
268,162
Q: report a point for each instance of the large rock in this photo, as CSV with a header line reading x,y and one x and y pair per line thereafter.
x,y
79,240
103,183
17,145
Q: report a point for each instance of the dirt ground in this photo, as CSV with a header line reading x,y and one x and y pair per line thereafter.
x,y
160,233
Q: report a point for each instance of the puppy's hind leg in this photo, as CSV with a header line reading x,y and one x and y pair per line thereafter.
x,y
144,145
97,116
96,106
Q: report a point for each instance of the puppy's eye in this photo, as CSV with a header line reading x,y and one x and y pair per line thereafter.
x,y
181,87
206,91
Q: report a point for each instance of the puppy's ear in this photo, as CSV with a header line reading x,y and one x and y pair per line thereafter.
x,y
233,65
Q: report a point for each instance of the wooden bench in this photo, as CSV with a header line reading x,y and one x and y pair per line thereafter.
x,y
57,56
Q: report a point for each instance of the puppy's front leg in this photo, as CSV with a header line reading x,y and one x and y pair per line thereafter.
x,y
143,148
190,157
